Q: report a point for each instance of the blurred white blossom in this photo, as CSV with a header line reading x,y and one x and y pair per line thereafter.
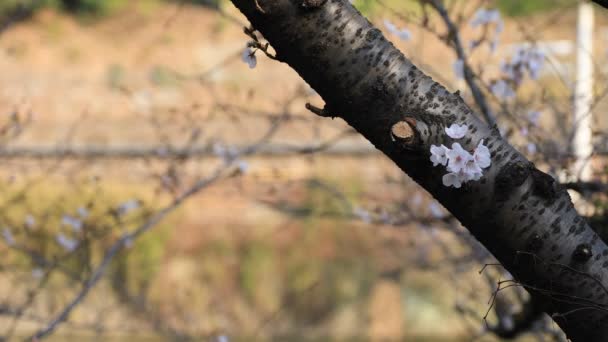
x,y
458,67
67,243
8,236
72,222
30,221
494,43
487,16
227,153
362,214
127,207
525,60
162,151
436,210
83,212
248,57
403,34
535,64
483,17
531,148
242,166
524,131
418,198
37,273
385,217
502,89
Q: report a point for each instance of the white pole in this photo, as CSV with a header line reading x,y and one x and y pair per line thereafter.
x,y
583,94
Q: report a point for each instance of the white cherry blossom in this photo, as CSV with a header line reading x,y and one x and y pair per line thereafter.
x,y
439,155
452,179
471,170
462,166
457,158
482,156
534,116
456,131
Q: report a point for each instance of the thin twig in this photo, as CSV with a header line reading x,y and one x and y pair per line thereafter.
x,y
468,73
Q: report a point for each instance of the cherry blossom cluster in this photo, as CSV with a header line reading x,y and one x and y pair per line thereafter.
x,y
524,60
230,154
75,224
462,165
484,17
502,89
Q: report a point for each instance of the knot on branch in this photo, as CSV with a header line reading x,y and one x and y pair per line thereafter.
x,y
311,4
404,133
544,186
511,176
582,253
534,243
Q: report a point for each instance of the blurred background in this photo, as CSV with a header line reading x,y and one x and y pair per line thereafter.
x,y
153,186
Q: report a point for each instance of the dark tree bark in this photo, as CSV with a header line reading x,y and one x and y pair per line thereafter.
x,y
520,214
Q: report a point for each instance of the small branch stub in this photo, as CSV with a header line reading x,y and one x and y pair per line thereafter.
x,y
323,112
404,132
258,7
582,253
308,4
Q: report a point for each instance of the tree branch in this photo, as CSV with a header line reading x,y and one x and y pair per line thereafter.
x,y
520,214
603,3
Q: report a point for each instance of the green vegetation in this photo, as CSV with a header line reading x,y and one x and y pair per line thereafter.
x,y
19,9
516,8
